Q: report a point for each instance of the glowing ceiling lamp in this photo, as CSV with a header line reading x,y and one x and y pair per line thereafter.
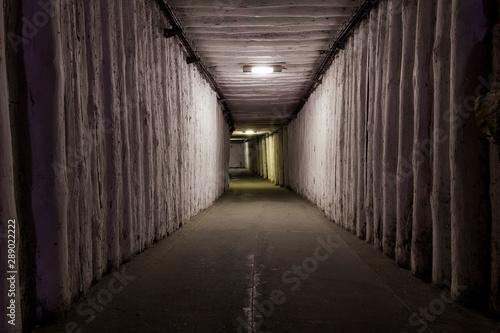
x,y
262,69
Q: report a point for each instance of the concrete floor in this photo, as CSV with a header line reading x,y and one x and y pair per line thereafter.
x,y
263,259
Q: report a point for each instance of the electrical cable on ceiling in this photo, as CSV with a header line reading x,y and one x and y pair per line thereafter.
x,y
176,30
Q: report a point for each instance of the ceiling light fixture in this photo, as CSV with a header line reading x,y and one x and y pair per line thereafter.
x,y
262,69
245,132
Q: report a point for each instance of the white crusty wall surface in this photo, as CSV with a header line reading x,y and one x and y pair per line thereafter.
x,y
389,148
128,141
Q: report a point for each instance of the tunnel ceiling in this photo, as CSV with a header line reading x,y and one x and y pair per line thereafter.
x,y
228,34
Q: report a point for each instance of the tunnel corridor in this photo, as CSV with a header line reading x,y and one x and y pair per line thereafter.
x,y
250,166
263,259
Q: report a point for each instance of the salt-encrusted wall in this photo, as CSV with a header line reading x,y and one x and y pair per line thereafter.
x,y
495,181
389,148
265,157
127,140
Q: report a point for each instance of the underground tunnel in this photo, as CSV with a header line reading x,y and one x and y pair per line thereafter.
x,y
250,166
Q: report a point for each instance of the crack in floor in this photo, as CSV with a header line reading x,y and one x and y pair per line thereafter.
x,y
254,279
